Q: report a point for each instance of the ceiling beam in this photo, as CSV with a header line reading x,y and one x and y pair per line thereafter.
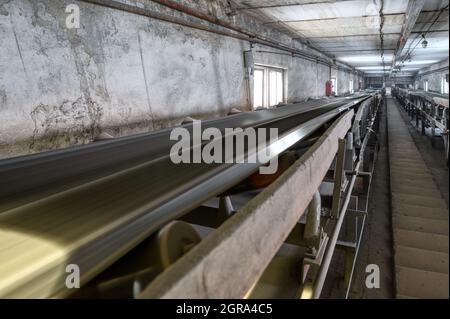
x,y
351,35
365,50
298,36
371,34
411,15
424,13
332,19
429,31
248,7
352,47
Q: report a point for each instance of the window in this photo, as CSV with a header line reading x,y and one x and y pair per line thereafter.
x,y
350,85
258,80
334,86
268,86
444,84
425,86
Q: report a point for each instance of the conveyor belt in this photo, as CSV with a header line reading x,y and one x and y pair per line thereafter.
x,y
427,94
90,205
420,218
438,98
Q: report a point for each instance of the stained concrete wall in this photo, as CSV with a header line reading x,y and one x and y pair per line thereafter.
x,y
125,73
433,74
304,78
343,81
344,78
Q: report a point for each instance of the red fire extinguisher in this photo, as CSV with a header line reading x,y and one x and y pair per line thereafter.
x,y
328,88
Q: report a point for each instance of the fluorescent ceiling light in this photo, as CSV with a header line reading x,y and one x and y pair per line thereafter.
x,y
373,68
365,58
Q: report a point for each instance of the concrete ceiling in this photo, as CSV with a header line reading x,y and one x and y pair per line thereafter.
x,y
349,30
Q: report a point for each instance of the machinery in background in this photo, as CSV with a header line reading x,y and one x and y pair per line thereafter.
x,y
429,111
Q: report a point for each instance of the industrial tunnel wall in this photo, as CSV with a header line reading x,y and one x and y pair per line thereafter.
x,y
61,87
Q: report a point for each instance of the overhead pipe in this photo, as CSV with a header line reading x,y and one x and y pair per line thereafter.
x,y
241,34
198,14
296,56
212,19
160,16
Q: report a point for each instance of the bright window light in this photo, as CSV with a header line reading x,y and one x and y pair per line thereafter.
x,y
269,86
444,84
258,79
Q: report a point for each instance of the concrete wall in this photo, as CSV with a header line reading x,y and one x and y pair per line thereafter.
x,y
304,78
343,81
433,74
124,73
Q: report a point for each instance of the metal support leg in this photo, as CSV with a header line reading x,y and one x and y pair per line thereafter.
x,y
349,153
338,179
351,234
433,133
423,120
416,114
225,207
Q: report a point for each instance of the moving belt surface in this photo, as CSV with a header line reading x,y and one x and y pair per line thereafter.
x,y
420,218
90,205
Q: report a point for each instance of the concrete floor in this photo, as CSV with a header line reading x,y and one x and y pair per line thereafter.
x,y
420,217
